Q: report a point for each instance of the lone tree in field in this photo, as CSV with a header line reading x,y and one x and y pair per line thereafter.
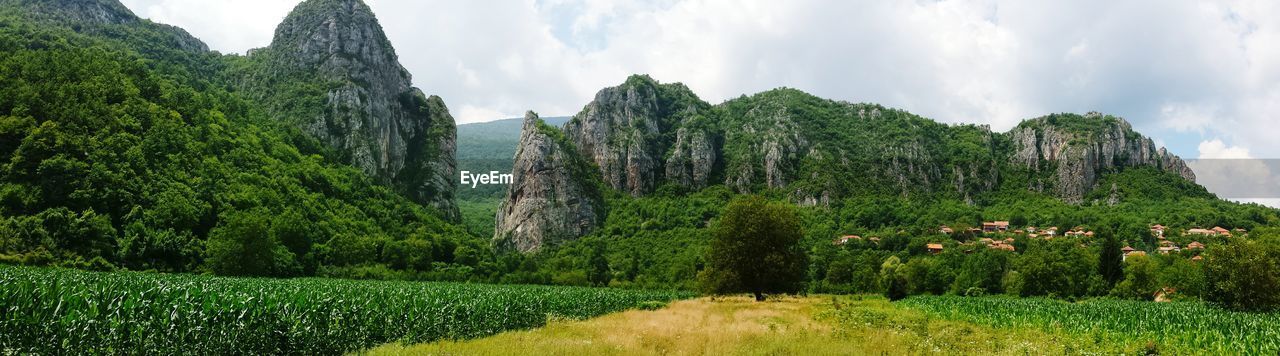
x,y
755,248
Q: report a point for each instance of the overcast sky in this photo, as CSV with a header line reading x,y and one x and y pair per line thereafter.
x,y
1201,77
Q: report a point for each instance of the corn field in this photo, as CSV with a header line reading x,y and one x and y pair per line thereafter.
x,y
1183,327
55,311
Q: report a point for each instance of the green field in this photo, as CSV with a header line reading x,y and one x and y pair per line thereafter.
x,y
56,311
1164,326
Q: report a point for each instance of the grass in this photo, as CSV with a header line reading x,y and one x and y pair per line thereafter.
x,y
1189,327
789,326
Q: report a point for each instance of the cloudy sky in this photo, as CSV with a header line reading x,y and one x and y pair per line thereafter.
x,y
1202,77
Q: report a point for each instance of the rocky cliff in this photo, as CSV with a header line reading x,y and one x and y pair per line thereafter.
x,y
554,194
1075,150
338,79
628,130
642,135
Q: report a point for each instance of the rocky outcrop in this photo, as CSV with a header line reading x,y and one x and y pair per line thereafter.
x,y
612,131
96,16
366,111
626,132
693,158
552,197
1077,150
773,146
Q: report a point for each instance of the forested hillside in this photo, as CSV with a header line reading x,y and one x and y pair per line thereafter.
x,y
125,144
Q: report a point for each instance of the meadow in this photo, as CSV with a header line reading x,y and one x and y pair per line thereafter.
x,y
1181,327
59,311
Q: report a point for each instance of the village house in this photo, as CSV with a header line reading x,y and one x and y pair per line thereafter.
x,y
1195,245
946,230
934,248
1164,250
1131,254
995,226
1051,231
845,239
1198,258
1002,246
1157,230
1220,231
1199,231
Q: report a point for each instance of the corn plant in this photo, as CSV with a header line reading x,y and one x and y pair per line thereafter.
x,y
56,311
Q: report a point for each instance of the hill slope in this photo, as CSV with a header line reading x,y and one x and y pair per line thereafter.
x,y
126,144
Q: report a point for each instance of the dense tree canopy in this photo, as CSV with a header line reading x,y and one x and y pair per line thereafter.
x,y
755,248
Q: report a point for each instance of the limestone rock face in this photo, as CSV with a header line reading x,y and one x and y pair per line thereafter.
x,y
1081,156
774,146
366,109
693,158
642,134
612,131
552,197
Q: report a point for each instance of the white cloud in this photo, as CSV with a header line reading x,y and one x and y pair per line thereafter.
x,y
1216,149
230,26
1193,70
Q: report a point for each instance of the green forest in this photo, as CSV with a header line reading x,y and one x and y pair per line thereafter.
x,y
119,152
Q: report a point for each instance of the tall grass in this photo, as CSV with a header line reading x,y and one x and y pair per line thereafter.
x,y
53,311
1183,326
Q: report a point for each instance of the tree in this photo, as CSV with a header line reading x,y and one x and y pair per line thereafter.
x,y
981,273
1139,279
893,279
1109,259
598,265
755,248
1244,274
242,246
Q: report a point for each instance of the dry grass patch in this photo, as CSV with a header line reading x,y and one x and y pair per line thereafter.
x,y
735,325
785,326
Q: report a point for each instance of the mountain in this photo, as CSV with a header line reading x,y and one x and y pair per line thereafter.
x,y
490,146
331,72
495,139
555,194
126,144
644,135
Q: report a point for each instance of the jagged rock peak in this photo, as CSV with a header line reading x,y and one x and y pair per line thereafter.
x,y
1082,147
318,30
371,115
627,130
553,196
